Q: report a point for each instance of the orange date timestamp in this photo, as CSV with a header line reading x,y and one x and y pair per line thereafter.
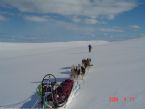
x,y
124,99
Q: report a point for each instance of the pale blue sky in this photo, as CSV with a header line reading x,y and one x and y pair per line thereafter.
x,y
67,20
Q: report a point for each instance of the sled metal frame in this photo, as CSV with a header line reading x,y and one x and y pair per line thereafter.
x,y
49,80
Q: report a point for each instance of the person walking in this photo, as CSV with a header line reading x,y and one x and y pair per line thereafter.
x,y
90,48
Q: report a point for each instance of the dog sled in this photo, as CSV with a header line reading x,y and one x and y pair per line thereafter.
x,y
55,96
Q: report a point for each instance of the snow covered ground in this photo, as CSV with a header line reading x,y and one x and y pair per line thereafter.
x,y
119,70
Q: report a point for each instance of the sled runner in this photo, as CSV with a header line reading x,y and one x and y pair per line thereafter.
x,y
54,95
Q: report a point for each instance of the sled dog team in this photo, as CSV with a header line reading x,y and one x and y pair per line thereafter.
x,y
80,69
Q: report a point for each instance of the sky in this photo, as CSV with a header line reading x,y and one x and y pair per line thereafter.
x,y
70,20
